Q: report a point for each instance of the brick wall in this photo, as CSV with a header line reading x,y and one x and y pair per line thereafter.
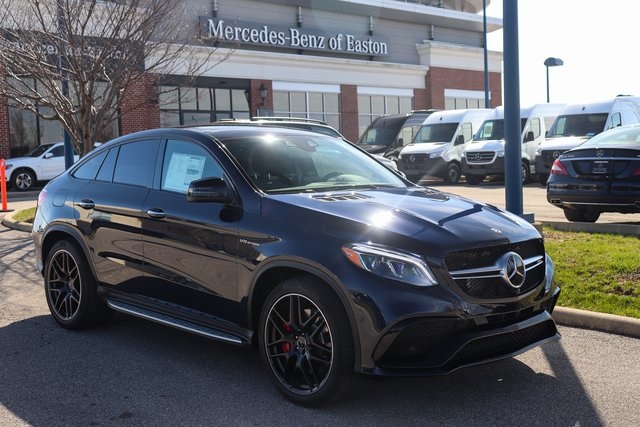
x,y
349,112
438,79
140,106
255,100
420,99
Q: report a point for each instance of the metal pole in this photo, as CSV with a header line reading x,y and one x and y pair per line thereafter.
x,y
486,54
513,148
68,148
547,84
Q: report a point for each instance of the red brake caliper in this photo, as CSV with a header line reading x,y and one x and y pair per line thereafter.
x,y
285,345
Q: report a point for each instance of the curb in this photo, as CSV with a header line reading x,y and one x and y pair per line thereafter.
x,y
9,222
603,322
609,323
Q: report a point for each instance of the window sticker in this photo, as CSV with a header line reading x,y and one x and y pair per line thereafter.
x,y
183,168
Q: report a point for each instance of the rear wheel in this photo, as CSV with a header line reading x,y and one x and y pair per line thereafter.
x,y
306,343
525,172
70,288
575,215
474,179
453,173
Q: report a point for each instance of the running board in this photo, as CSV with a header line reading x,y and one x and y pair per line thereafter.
x,y
175,322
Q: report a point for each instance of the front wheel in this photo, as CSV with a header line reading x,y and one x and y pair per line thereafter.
x,y
306,343
23,180
70,288
453,174
581,216
525,173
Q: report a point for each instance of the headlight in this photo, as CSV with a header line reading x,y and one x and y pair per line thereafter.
x,y
390,263
7,166
501,153
436,154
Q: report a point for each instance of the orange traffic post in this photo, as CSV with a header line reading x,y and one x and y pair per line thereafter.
x,y
3,185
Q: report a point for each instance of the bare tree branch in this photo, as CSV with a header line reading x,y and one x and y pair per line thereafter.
x,y
102,49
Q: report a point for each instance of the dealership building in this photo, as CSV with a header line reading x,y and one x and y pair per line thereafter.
x,y
344,62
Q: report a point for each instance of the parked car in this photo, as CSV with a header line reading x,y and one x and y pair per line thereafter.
x,y
331,264
387,135
40,164
600,175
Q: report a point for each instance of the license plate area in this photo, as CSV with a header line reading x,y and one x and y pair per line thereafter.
x,y
600,167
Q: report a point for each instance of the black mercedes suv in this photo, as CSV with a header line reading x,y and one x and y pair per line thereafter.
x,y
298,243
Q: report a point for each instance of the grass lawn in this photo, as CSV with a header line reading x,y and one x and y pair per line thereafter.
x,y
597,272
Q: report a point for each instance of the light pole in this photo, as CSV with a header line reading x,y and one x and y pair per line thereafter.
x,y
551,62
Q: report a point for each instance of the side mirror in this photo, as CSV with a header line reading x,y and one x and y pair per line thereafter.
x,y
399,142
529,137
459,140
209,190
48,155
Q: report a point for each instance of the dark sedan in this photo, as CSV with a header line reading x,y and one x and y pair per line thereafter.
x,y
600,175
307,247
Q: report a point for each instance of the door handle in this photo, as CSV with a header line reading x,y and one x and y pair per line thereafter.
x,y
86,204
156,213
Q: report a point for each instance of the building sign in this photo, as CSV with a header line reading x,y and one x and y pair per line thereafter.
x,y
291,38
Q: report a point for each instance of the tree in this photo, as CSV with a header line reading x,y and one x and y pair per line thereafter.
x,y
75,60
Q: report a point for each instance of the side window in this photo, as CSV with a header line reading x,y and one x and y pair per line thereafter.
x,y
534,126
106,170
616,120
89,169
136,162
58,151
467,132
186,161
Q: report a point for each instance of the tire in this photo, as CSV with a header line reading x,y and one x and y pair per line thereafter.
x,y
542,179
453,173
23,180
70,288
525,172
305,342
474,179
581,216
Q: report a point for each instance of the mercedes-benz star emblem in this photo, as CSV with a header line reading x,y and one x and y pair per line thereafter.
x,y
514,271
412,158
477,156
556,154
599,153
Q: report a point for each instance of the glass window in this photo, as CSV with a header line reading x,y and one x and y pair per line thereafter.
x,y
57,151
223,99
188,98
616,120
89,169
239,100
372,106
184,162
135,165
315,102
204,99
281,102
106,170
298,102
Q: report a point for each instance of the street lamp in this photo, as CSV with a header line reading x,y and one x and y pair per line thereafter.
x,y
551,62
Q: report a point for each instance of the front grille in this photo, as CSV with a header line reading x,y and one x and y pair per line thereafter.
x,y
480,157
414,159
485,260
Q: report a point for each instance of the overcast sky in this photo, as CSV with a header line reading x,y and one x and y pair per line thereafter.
x,y
597,40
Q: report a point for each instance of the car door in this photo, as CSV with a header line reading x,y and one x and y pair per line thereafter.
x,y
190,247
51,163
109,210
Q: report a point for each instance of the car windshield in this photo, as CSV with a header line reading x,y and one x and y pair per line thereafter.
x,y
620,137
578,125
439,132
296,163
494,130
37,151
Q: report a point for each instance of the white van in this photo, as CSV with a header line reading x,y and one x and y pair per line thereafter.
x,y
579,122
485,155
436,150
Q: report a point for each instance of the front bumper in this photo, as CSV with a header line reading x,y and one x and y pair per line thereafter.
x,y
494,168
422,166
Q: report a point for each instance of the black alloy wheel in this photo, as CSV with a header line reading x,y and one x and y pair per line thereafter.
x,y
23,180
525,172
306,343
71,289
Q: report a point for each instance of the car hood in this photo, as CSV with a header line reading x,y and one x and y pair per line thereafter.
x,y
20,160
423,147
488,145
563,143
412,218
374,149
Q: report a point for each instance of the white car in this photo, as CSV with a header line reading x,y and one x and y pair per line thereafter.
x,y
43,163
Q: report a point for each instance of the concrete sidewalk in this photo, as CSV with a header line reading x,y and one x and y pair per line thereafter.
x,y
563,316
